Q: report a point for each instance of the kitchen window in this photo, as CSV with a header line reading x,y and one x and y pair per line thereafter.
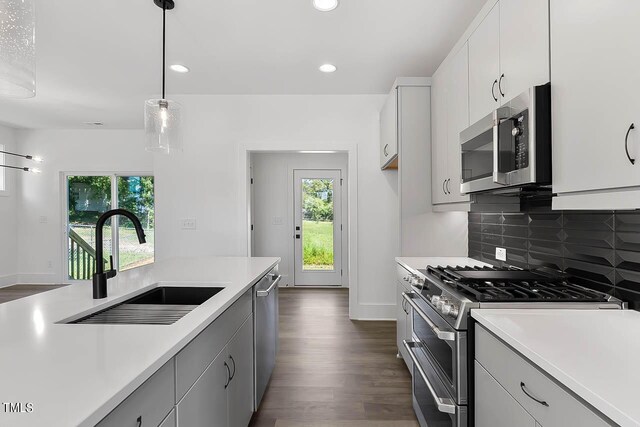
x,y
88,197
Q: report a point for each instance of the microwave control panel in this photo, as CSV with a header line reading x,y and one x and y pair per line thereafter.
x,y
520,134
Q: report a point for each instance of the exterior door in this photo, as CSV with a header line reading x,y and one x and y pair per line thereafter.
x,y
317,229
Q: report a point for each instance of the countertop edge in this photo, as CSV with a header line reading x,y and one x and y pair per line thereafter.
x,y
596,401
107,407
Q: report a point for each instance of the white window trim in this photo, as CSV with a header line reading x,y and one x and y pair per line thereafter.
x,y
4,176
65,210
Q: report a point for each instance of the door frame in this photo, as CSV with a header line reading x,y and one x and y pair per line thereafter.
x,y
343,213
351,149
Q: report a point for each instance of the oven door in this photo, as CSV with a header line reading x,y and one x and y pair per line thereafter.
x,y
445,347
432,404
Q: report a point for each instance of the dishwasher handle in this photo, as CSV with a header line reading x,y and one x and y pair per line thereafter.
x,y
266,292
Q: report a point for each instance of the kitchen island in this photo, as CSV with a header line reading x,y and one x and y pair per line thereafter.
x,y
57,374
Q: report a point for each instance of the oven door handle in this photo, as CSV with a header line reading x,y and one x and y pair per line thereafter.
x,y
441,403
443,335
266,292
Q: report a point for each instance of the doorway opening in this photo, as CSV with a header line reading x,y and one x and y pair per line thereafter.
x,y
298,212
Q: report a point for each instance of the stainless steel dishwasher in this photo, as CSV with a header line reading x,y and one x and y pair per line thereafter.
x,y
265,302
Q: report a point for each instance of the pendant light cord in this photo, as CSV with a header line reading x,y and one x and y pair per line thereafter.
x,y
164,41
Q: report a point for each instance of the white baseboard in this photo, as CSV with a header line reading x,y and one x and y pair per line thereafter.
x,y
8,280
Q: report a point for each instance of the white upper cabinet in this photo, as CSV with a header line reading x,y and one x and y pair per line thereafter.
x,y
484,66
389,131
524,46
458,120
439,136
595,61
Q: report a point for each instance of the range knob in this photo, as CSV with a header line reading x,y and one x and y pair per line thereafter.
x,y
454,311
446,309
435,299
441,303
516,131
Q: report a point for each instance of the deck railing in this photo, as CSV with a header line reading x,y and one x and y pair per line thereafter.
x,y
82,257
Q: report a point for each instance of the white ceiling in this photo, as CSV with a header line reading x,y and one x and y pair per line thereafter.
x,y
98,60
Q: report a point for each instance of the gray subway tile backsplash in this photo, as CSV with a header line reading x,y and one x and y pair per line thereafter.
x,y
602,248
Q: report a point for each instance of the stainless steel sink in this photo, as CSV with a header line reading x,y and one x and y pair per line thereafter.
x,y
163,305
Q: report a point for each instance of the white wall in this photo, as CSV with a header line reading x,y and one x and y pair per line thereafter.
x,y
205,182
273,198
8,212
40,222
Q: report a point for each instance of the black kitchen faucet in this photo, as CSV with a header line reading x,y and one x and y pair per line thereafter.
x,y
100,277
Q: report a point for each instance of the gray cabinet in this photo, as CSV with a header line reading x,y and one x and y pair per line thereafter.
x,y
548,402
205,404
149,404
240,389
494,406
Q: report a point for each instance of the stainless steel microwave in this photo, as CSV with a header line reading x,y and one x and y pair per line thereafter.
x,y
511,147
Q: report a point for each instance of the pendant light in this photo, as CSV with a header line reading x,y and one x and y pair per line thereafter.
x,y
17,49
162,117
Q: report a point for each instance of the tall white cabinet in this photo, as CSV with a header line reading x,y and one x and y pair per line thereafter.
x,y
595,101
450,115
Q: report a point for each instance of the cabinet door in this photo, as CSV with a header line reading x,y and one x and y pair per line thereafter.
x,y
439,152
458,120
524,46
389,129
595,94
241,385
494,406
205,404
484,66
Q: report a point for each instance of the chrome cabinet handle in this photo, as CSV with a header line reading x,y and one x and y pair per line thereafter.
x,y
493,90
500,85
442,404
448,181
385,150
228,375
266,292
523,386
139,421
443,335
626,144
443,184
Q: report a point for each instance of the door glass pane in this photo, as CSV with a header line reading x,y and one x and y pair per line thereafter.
x,y
135,194
89,197
317,224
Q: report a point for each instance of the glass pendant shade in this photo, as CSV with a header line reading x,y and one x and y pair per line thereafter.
x,y
17,49
163,126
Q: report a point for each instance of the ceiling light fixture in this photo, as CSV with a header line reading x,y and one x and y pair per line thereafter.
x,y
328,68
17,49
179,68
32,170
163,118
36,159
93,123
325,5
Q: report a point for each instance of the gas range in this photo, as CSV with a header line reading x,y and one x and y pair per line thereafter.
x,y
455,290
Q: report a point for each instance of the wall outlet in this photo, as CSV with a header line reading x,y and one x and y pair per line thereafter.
x,y
501,254
188,224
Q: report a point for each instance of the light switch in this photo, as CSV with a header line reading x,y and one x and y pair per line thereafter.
x,y
188,224
277,220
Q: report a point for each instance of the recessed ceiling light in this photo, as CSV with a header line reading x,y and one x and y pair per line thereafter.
x,y
179,68
327,68
93,123
325,5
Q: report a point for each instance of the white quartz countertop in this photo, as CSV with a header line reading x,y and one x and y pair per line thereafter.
x,y
593,353
76,374
414,263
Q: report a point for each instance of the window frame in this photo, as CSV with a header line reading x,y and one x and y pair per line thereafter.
x,y
115,220
4,176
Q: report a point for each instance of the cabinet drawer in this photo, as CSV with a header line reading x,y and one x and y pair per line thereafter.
x,y
198,354
517,375
150,403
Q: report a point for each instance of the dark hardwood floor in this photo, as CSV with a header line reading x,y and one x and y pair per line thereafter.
x,y
14,292
332,371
